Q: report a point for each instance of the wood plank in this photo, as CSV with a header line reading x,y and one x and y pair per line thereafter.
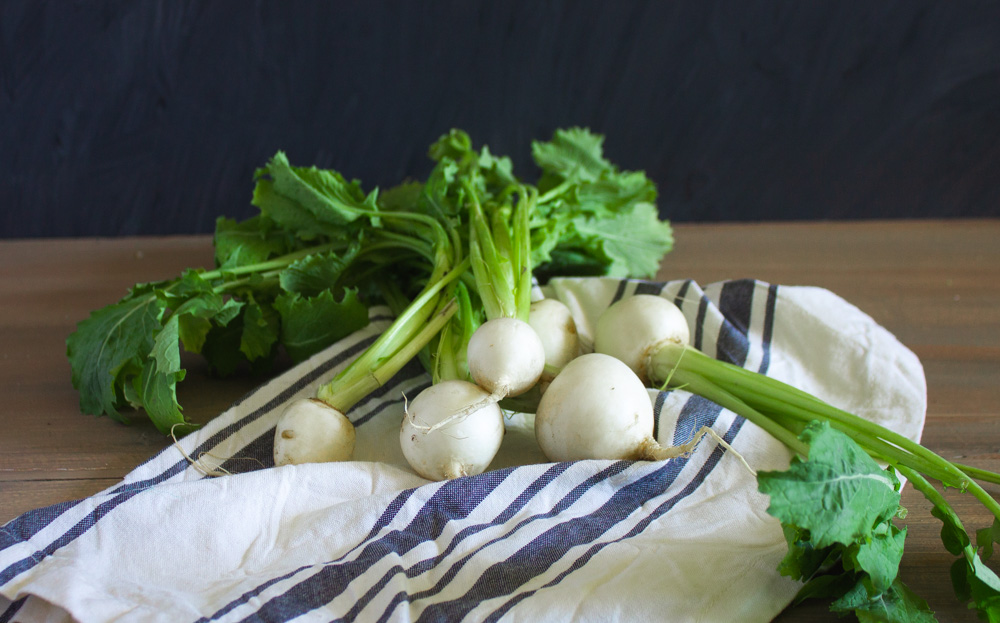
x,y
21,496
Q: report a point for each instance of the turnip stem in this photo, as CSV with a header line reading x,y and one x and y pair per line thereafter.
x,y
273,264
979,473
874,445
689,366
411,331
410,321
345,394
934,497
698,384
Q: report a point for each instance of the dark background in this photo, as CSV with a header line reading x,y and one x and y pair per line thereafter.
x,y
143,117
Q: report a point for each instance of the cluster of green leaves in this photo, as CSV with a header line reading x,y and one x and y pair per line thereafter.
x,y
591,217
303,272
837,510
128,355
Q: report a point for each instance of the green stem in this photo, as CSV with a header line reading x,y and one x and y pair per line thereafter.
x,y
674,359
346,394
555,191
697,384
979,473
273,264
528,199
875,446
934,497
342,391
495,289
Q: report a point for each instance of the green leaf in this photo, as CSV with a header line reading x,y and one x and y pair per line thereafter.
x,y
320,199
197,305
984,588
898,604
573,154
401,198
498,171
251,241
261,327
803,561
310,324
108,351
879,556
222,347
315,273
634,242
986,537
953,535
839,494
160,376
455,145
289,214
825,586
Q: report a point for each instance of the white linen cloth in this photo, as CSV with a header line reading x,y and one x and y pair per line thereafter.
x,y
682,540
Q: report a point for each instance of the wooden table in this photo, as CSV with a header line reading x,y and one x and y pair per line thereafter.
x,y
936,285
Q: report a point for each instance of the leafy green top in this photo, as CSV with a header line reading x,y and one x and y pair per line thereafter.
x,y
302,273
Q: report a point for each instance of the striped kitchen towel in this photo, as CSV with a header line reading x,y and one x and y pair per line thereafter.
x,y
687,539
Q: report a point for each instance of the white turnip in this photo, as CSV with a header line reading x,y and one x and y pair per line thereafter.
x,y
597,408
505,357
451,429
553,321
310,431
634,328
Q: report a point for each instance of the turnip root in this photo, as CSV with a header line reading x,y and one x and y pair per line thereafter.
x,y
451,429
553,321
597,408
634,328
505,357
310,431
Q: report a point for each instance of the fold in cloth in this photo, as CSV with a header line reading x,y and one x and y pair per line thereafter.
x,y
687,539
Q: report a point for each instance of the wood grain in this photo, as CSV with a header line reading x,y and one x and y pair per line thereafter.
x,y
934,284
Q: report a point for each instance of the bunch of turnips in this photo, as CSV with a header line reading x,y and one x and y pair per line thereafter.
x,y
457,258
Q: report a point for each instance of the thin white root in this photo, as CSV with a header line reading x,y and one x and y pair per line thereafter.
x,y
455,469
197,464
463,413
655,452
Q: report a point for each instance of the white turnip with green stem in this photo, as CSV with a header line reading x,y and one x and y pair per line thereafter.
x,y
634,327
454,428
317,429
785,412
597,408
505,355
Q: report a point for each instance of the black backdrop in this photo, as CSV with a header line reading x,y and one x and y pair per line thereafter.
x,y
143,117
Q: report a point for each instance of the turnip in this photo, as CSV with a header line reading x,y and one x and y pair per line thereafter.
x,y
636,327
553,321
311,431
451,429
505,357
597,408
